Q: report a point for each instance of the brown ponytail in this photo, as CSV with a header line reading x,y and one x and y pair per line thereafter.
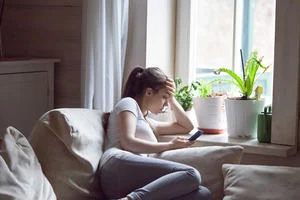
x,y
131,87
142,78
105,118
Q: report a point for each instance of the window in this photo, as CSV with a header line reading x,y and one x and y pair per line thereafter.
x,y
219,29
286,64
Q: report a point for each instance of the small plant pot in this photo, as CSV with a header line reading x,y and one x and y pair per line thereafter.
x,y
242,117
210,113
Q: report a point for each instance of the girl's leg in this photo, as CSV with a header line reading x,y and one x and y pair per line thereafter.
x,y
201,193
146,178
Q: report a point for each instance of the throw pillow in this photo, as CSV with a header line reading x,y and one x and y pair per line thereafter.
x,y
21,176
208,161
250,182
68,144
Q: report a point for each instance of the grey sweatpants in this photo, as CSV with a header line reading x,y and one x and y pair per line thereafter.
x,y
145,178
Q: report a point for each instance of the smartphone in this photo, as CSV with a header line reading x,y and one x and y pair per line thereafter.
x,y
195,135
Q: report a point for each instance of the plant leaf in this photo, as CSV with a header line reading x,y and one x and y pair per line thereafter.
x,y
252,66
236,79
177,81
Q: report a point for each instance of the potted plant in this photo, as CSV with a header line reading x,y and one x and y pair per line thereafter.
x,y
209,108
242,111
185,95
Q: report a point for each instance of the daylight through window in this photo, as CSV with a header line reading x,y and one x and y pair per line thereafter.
x,y
219,29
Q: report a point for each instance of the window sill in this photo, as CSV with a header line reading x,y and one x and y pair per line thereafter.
x,y
251,146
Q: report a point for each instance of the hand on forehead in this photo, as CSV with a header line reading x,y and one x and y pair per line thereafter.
x,y
170,86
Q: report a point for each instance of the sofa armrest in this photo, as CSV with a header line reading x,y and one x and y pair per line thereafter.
x,y
68,143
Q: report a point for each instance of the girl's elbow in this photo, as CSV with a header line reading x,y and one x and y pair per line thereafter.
x,y
125,144
190,128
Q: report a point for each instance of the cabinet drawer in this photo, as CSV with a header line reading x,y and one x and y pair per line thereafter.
x,y
23,99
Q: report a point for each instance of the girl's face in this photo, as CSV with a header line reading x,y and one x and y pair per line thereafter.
x,y
158,100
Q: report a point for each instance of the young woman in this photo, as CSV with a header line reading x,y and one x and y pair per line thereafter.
x,y
126,170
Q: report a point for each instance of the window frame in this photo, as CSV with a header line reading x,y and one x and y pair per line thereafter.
x,y
286,73
286,65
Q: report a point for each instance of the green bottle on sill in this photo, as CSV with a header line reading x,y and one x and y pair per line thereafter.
x,y
264,121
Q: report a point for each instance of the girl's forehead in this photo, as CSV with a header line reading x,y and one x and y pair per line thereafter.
x,y
163,90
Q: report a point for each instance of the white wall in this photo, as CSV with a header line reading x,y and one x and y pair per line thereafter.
x,y
151,35
161,35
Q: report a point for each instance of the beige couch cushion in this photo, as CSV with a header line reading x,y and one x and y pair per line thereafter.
x,y
21,176
250,182
68,144
209,161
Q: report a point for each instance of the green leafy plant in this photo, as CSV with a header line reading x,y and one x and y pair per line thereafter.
x,y
205,90
250,76
185,95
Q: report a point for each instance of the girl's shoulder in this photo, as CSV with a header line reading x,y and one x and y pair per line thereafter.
x,y
126,101
128,104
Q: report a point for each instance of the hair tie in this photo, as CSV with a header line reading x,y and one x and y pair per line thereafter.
x,y
139,75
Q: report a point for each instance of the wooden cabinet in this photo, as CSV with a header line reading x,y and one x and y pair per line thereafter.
x,y
26,92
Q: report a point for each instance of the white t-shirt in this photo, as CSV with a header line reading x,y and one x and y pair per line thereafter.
x,y
143,129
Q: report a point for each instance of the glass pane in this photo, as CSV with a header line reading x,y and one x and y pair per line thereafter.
x,y
264,29
263,39
213,37
212,41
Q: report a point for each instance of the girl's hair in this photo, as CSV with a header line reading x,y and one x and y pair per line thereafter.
x,y
105,117
138,81
142,78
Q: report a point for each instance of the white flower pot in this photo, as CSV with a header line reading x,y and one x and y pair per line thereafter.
x,y
210,113
242,117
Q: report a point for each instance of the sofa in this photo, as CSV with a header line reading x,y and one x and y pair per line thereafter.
x,y
60,161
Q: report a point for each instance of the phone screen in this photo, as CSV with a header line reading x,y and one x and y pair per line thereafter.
x,y
195,135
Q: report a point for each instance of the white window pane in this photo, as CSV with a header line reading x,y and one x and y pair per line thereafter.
x,y
213,38
212,42
264,29
263,38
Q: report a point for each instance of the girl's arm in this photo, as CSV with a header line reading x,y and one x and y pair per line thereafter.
x,y
182,123
129,142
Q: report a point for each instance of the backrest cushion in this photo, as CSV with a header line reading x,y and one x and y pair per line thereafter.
x,y
21,176
262,182
68,143
208,161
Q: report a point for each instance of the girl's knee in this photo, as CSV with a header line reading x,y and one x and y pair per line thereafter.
x,y
204,193
195,175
